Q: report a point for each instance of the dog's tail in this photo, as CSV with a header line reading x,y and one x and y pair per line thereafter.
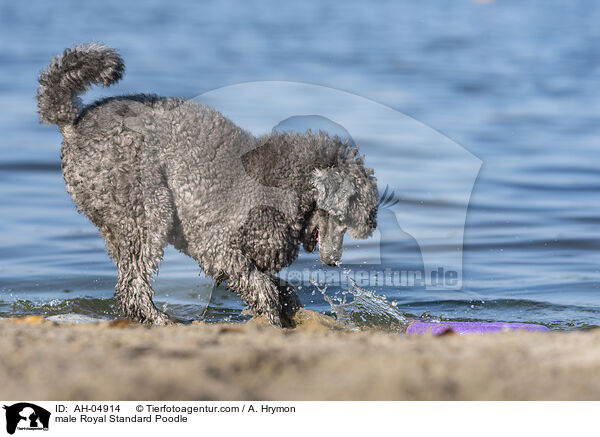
x,y
69,75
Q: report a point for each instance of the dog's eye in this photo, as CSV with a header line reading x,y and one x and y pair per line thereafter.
x,y
338,219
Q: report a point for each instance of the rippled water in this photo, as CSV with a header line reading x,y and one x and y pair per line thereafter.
x,y
516,83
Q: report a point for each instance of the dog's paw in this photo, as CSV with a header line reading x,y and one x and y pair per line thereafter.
x,y
156,317
264,298
290,304
275,319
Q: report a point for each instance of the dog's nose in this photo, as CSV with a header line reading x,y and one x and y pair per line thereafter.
x,y
329,259
332,261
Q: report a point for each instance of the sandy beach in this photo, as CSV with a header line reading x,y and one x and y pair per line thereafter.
x,y
319,360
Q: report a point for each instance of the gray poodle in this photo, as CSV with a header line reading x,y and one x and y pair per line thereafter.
x,y
149,171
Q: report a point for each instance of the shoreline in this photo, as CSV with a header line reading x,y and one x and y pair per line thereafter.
x,y
318,360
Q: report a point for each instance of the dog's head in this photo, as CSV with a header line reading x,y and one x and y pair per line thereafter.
x,y
346,199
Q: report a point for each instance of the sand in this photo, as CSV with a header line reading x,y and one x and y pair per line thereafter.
x,y
319,360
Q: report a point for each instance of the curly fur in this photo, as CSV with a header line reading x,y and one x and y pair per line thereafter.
x,y
149,171
71,74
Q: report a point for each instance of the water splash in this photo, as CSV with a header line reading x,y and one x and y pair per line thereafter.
x,y
364,309
94,308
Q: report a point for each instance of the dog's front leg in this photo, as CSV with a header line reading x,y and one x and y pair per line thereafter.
x,y
259,290
290,302
261,293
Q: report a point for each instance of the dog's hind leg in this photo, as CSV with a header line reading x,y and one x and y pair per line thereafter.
x,y
137,262
135,237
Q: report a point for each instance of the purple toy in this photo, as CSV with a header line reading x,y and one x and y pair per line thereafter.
x,y
438,328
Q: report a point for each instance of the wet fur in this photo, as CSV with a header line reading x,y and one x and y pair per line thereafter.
x,y
149,171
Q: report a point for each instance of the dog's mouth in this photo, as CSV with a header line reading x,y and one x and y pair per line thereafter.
x,y
314,237
311,240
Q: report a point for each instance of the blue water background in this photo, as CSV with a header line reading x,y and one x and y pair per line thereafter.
x,y
515,82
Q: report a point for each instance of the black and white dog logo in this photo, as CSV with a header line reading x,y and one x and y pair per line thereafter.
x,y
26,416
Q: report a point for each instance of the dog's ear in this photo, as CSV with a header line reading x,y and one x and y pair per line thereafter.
x,y
363,206
333,192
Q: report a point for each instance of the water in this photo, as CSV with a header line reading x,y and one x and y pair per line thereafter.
x,y
514,82
360,308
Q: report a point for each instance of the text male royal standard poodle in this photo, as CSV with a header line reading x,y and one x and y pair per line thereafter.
x,y
149,171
